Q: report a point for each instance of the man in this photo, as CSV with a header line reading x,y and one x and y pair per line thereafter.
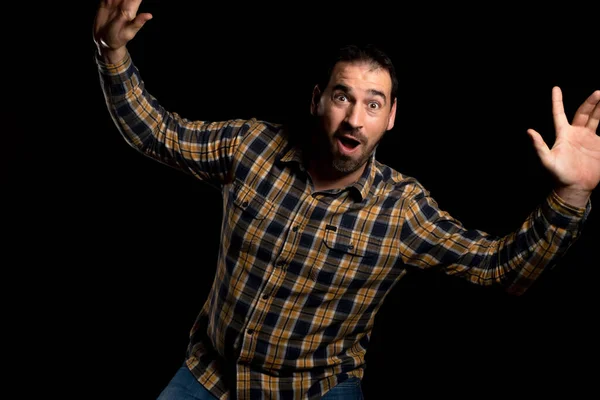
x,y
316,231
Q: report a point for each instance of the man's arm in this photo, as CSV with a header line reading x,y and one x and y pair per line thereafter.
x,y
205,149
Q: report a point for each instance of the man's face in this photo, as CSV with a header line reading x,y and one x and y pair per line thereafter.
x,y
354,110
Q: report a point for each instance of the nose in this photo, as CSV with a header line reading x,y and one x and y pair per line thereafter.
x,y
355,116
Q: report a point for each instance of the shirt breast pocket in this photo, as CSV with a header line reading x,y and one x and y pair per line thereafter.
x,y
249,203
350,258
247,216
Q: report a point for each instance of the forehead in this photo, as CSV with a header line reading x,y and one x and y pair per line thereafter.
x,y
361,76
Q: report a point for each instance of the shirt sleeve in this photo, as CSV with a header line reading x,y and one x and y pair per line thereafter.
x,y
431,238
204,149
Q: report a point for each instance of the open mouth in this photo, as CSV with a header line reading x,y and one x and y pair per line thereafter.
x,y
348,143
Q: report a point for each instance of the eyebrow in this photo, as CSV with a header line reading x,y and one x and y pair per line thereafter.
x,y
372,92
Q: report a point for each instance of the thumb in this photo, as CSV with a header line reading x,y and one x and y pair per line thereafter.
x,y
136,24
540,147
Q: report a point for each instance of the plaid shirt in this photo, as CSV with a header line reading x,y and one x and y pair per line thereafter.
x,y
301,274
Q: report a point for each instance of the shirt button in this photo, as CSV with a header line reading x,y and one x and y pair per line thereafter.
x,y
295,229
250,331
245,204
265,296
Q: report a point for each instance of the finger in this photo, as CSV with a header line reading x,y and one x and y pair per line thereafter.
x,y
586,109
134,26
140,20
540,147
558,110
593,103
129,8
111,4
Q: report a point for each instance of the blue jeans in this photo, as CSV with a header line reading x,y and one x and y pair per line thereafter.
x,y
350,389
184,386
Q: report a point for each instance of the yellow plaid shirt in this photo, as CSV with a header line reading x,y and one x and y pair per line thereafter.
x,y
301,274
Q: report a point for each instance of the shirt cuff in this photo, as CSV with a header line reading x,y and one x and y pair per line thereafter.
x,y
113,69
563,215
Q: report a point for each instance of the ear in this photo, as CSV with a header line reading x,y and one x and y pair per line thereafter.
x,y
314,104
392,116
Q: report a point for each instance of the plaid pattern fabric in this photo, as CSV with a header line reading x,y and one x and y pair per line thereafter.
x,y
301,274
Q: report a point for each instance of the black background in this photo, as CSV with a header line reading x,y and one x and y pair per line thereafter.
x,y
123,249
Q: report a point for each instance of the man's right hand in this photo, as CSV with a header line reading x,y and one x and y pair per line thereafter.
x,y
116,23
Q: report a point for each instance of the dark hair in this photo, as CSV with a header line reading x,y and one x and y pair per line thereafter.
x,y
368,53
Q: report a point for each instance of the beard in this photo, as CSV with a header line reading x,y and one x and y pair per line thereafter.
x,y
325,151
322,148
346,164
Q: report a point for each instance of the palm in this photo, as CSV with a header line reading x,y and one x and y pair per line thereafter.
x,y
574,160
117,22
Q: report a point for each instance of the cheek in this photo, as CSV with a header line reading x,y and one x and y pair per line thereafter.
x,y
376,132
378,125
331,117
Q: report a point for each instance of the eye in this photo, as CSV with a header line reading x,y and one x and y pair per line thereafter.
x,y
374,105
341,97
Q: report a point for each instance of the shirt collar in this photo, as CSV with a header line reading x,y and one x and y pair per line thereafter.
x,y
360,188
